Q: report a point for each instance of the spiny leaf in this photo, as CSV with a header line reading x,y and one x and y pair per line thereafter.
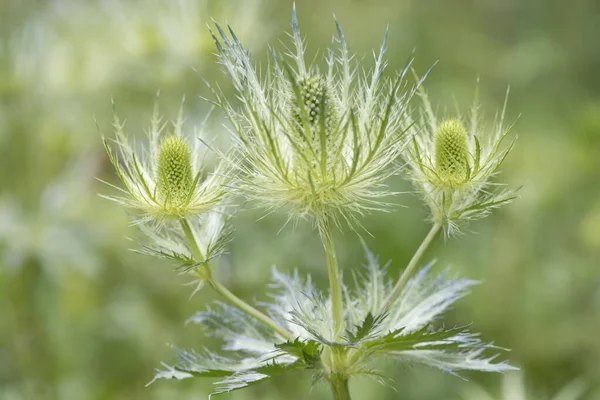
x,y
396,341
308,351
368,325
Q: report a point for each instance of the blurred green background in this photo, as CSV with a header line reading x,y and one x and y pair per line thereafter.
x,y
81,317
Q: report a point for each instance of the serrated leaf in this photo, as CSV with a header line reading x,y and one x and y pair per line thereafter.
x,y
309,352
368,325
396,341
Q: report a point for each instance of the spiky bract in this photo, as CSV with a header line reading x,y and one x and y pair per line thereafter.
x,y
406,333
165,180
320,143
451,161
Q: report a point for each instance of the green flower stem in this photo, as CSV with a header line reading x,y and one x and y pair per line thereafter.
x,y
335,287
414,261
187,230
248,309
339,387
226,293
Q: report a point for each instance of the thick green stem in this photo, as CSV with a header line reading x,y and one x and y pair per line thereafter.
x,y
414,261
339,387
335,284
226,293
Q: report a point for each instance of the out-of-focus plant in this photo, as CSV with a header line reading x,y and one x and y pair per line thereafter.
x,y
319,145
57,60
514,388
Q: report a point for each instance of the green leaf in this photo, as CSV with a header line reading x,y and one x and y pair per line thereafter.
x,y
396,341
363,330
309,352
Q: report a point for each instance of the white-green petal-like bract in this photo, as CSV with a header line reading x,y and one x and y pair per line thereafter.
x,y
409,332
320,142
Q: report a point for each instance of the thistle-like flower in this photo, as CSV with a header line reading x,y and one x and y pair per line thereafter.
x,y
451,162
406,333
320,143
166,180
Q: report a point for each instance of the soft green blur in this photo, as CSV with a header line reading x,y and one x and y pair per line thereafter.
x,y
81,317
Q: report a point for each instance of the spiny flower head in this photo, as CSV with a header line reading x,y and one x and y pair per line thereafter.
x,y
166,180
320,143
451,152
315,98
451,161
174,170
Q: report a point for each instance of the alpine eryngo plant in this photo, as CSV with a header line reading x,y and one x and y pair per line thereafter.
x,y
320,145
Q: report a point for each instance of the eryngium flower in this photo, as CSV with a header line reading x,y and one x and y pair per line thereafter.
x,y
320,143
451,162
166,180
406,333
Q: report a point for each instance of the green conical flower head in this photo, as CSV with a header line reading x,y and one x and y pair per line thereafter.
x,y
174,170
451,152
313,90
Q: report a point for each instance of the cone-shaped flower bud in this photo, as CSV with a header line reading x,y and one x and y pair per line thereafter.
x,y
174,170
314,95
451,152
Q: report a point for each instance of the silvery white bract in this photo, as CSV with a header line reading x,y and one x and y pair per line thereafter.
x,y
408,332
211,231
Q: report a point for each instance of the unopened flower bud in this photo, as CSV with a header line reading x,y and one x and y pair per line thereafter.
x,y
174,170
313,91
451,152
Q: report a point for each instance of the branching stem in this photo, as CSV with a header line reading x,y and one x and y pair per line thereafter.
x,y
408,272
335,284
226,293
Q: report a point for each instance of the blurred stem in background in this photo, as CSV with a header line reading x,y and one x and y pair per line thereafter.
x,y
414,261
33,348
205,274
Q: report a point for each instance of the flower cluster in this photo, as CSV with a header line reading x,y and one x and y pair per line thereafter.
x,y
321,145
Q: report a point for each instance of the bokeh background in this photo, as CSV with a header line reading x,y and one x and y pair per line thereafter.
x,y
82,317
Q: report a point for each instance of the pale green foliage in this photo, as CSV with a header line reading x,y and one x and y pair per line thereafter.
x,y
154,38
451,166
321,144
165,180
211,231
407,333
